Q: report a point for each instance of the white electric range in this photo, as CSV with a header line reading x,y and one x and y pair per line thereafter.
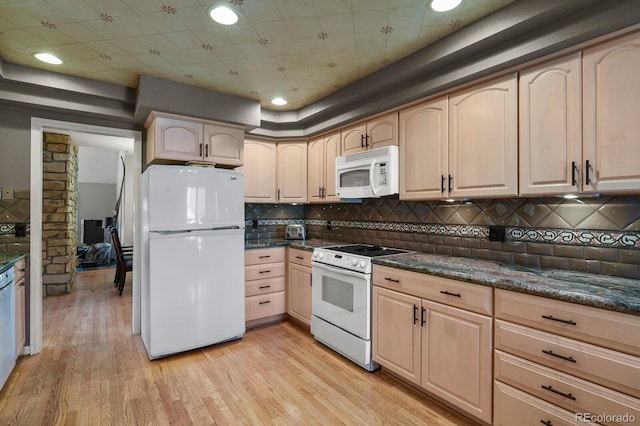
x,y
341,298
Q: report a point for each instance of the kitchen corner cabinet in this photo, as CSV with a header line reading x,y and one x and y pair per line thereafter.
x,y
264,285
259,171
292,172
424,150
437,333
375,133
21,275
176,139
299,285
611,106
322,153
483,140
551,127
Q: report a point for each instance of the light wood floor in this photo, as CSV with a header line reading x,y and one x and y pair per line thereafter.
x,y
93,370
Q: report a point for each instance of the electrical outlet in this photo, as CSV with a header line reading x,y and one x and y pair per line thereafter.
x,y
497,233
254,224
7,192
329,225
20,229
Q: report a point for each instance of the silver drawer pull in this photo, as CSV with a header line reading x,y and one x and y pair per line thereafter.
x,y
566,358
448,293
392,280
552,318
566,395
265,302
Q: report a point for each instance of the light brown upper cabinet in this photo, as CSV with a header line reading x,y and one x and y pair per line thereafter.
x,y
483,140
322,153
424,150
292,172
176,139
611,120
551,127
462,146
375,133
259,171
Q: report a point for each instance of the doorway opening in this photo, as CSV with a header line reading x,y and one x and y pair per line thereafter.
x,y
38,127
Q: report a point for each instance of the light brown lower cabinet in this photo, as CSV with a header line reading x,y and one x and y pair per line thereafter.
x,y
299,285
264,285
441,348
20,305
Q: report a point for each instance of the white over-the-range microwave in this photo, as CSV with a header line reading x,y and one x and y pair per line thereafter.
x,y
368,174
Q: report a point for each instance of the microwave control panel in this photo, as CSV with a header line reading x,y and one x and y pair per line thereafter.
x,y
382,174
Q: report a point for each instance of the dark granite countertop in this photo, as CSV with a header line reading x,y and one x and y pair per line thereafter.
x,y
308,244
601,291
7,260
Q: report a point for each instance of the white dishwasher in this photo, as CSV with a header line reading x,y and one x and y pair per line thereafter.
x,y
7,325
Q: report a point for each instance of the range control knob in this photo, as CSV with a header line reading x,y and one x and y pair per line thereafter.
x,y
354,262
315,254
363,264
321,255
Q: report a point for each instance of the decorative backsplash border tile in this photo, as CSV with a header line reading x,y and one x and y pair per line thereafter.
x,y
577,237
273,222
10,229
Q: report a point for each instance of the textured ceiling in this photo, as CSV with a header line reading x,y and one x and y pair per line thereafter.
x,y
301,50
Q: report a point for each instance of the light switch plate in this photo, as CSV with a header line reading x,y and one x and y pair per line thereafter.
x,y
7,192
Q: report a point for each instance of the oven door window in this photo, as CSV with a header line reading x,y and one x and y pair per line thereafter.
x,y
337,293
354,178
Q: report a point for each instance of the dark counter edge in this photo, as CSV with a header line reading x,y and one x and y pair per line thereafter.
x,y
6,264
626,306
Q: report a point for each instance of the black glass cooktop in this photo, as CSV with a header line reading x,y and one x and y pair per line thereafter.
x,y
367,250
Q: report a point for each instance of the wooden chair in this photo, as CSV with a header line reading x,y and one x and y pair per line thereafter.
x,y
124,263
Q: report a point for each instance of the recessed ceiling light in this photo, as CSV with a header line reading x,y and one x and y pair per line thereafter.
x,y
444,5
223,15
279,101
48,58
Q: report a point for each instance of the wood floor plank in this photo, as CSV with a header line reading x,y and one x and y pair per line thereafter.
x,y
93,370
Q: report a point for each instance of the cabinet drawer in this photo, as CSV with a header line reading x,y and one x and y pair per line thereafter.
x,y
512,407
266,270
613,369
255,287
258,256
571,393
301,257
264,305
601,327
472,297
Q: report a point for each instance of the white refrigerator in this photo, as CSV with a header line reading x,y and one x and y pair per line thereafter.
x,y
192,277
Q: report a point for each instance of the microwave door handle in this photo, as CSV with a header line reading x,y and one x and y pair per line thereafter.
x,y
371,178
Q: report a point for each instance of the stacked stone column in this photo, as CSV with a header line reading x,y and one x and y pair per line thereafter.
x,y
59,197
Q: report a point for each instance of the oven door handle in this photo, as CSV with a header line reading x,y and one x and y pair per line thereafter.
x,y
324,267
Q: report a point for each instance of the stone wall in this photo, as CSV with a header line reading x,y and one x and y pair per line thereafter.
x,y
59,195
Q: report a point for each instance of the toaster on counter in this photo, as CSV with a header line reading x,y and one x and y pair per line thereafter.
x,y
294,232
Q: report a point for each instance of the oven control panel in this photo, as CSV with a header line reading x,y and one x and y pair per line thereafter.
x,y
341,260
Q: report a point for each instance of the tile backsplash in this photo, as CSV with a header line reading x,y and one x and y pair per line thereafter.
x,y
598,235
14,212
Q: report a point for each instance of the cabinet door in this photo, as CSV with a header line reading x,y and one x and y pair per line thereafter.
x,y
456,357
382,131
353,139
178,139
611,90
21,331
483,140
292,172
331,151
396,333
315,172
423,150
259,172
299,292
223,145
551,127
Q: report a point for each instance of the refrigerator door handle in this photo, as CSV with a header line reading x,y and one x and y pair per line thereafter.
x,y
223,228
171,232
186,231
